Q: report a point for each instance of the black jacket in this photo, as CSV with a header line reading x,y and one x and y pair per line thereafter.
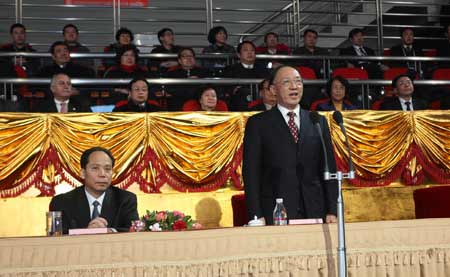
x,y
274,166
119,208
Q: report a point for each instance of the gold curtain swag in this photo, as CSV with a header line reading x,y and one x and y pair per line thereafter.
x,y
201,151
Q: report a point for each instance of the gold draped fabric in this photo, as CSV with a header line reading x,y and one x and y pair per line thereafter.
x,y
201,151
407,248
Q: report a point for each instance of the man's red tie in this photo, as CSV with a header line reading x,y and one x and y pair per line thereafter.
x,y
292,126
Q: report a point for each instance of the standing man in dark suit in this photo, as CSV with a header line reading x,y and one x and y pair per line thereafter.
x,y
282,162
61,100
404,88
96,204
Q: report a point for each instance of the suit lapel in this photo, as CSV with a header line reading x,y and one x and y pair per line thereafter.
x,y
82,206
109,207
305,125
280,123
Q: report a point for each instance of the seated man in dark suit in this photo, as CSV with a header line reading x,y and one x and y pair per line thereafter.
x,y
246,68
444,48
96,204
356,37
404,88
407,48
268,97
187,68
310,48
61,100
137,98
283,157
62,63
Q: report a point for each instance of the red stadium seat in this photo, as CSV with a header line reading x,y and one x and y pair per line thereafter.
x,y
435,105
387,52
125,102
430,53
307,73
316,103
255,103
441,74
351,73
193,105
240,217
432,202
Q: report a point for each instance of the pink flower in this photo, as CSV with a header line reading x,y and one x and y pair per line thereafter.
x,y
197,225
161,216
178,214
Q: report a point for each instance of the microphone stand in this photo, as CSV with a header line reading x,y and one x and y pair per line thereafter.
x,y
342,251
339,176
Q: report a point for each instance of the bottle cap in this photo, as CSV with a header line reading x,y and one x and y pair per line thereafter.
x,y
279,200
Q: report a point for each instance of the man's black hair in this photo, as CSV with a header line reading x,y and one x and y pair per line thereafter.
x,y
84,160
161,33
16,25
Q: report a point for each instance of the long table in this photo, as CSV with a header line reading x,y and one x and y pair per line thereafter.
x,y
389,248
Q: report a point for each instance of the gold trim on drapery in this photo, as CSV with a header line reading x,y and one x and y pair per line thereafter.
x,y
202,151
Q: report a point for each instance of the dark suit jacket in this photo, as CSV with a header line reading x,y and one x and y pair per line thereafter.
x,y
49,106
394,104
397,50
119,208
275,166
259,107
350,51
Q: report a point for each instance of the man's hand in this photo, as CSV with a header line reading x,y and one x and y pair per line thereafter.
x,y
331,218
98,222
168,64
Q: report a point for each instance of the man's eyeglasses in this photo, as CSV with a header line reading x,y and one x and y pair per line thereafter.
x,y
287,82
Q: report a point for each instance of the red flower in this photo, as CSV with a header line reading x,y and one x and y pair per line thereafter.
x,y
179,225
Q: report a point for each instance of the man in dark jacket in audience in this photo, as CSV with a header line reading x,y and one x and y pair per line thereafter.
x,y
404,101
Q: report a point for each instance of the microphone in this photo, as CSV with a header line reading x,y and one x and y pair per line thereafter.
x,y
315,118
337,116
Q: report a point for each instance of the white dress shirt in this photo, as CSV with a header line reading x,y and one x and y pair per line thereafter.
x,y
91,200
284,111
58,104
403,101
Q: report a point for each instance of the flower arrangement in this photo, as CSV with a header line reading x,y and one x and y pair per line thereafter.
x,y
164,221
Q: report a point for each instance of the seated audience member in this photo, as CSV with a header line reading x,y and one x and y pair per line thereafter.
x,y
268,97
246,68
217,38
273,47
310,48
187,68
444,48
124,37
23,67
96,204
137,98
206,101
127,68
337,88
71,35
61,100
404,88
357,48
62,63
166,39
406,48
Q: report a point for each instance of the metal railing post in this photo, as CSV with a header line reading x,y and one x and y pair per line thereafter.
x,y
209,15
118,14
19,10
337,9
114,19
379,10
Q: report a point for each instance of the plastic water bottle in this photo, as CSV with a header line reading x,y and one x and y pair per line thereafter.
x,y
279,213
